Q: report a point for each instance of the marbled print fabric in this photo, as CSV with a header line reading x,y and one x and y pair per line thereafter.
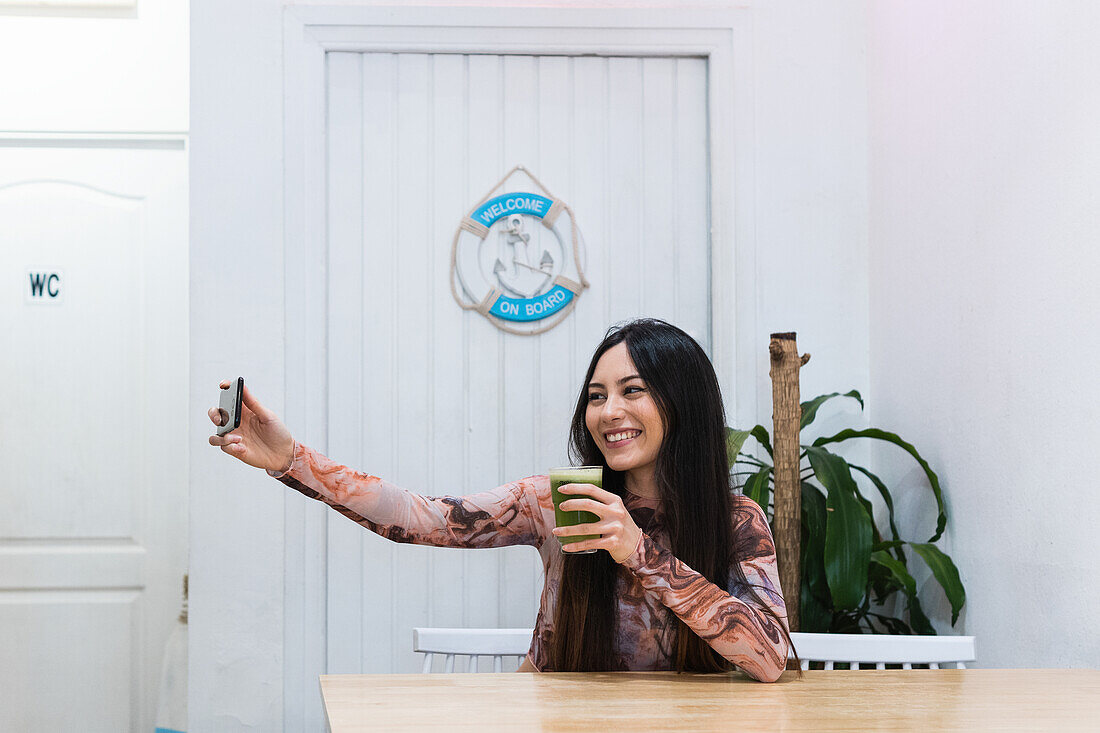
x,y
652,585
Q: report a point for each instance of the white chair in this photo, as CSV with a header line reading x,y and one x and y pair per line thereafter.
x,y
474,643
852,649
883,649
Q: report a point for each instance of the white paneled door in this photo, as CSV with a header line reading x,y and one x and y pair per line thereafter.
x,y
93,337
435,398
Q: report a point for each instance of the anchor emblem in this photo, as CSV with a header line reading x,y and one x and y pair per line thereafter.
x,y
517,274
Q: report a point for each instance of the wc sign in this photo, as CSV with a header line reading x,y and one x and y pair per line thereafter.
x,y
43,285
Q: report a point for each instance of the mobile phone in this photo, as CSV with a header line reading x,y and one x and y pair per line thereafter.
x,y
230,407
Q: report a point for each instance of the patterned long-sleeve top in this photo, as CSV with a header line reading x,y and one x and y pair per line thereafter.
x,y
652,585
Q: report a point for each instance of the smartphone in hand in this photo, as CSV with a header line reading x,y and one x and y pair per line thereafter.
x,y
230,407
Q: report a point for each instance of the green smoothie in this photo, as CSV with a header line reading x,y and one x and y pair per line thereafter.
x,y
574,475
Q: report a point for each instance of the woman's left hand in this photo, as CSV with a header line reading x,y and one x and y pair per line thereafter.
x,y
619,533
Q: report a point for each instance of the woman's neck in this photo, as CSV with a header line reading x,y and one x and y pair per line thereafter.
x,y
643,482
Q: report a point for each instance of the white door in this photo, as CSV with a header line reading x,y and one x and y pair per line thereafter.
x,y
93,333
437,399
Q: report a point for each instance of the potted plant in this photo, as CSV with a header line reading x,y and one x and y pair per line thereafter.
x,y
846,562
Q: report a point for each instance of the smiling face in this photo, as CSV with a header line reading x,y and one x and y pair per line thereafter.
x,y
621,414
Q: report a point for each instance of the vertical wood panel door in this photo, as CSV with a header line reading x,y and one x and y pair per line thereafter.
x,y
93,525
437,399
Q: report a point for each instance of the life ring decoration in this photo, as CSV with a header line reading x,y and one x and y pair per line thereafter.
x,y
518,263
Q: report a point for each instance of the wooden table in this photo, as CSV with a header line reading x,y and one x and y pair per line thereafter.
x,y
946,699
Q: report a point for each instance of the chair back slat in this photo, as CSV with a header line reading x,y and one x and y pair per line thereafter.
x,y
472,643
851,649
882,649
512,642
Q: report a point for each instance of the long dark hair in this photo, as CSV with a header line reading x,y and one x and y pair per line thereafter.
x,y
692,474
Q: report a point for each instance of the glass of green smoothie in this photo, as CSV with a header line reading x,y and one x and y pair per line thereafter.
x,y
574,475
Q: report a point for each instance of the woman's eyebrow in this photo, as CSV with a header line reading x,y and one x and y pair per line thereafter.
x,y
624,380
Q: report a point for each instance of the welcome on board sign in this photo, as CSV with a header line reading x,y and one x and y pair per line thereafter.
x,y
516,265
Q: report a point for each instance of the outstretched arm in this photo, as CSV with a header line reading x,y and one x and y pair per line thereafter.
x,y
735,628
506,515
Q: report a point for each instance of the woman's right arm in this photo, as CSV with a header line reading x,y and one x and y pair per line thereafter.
x,y
508,515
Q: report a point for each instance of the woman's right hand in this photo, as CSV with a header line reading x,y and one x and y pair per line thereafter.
x,y
261,441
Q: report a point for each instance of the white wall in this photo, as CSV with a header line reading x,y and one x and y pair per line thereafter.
x,y
985,167
106,70
237,547
811,193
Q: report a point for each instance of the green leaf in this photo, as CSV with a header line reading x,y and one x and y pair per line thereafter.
x,y
734,440
917,619
761,435
814,615
886,497
875,536
894,625
946,574
756,488
846,622
882,583
815,600
899,571
847,530
809,409
814,517
877,434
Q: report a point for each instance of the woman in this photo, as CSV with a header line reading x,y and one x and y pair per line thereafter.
x,y
675,587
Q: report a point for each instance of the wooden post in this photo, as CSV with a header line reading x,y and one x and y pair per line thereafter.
x,y
786,415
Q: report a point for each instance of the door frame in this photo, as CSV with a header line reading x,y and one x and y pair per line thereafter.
x,y
723,37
